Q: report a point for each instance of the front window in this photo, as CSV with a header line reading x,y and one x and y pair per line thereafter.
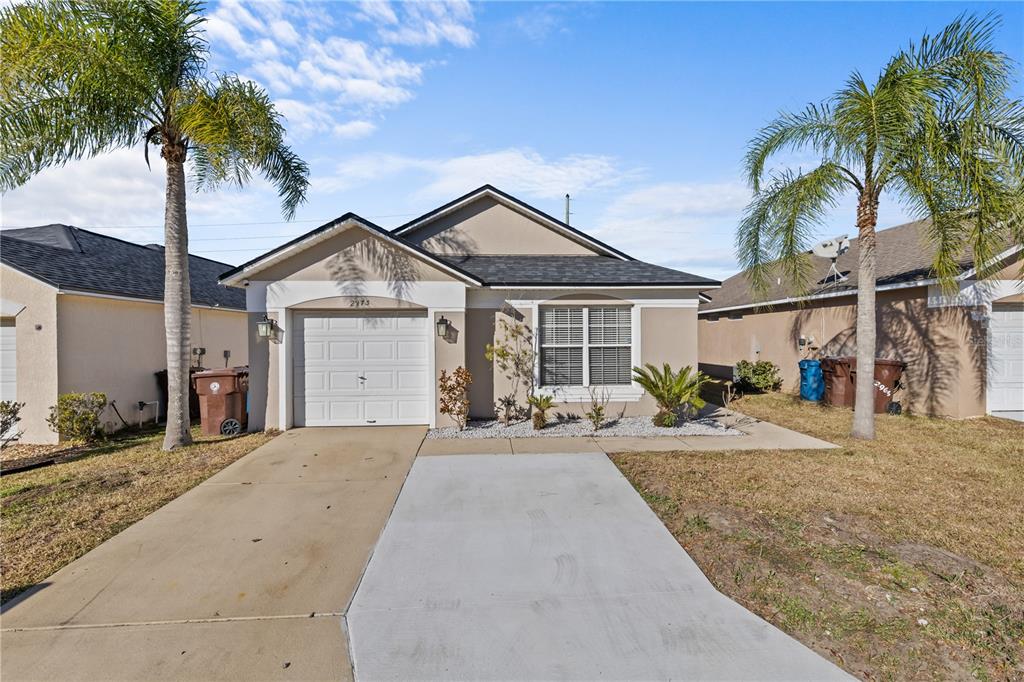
x,y
586,346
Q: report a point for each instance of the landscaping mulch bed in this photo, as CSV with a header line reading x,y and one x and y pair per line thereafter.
x,y
51,516
899,558
576,428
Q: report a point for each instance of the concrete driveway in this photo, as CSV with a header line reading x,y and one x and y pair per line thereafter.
x,y
548,567
246,576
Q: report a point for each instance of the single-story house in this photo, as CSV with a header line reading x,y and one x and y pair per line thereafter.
x,y
365,319
82,312
964,352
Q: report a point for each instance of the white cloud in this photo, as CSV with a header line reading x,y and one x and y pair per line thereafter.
x,y
519,171
117,190
421,23
540,21
353,130
661,223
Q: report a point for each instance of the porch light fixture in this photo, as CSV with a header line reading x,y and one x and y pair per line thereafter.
x,y
266,328
442,326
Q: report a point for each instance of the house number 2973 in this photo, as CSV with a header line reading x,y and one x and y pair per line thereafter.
x,y
359,303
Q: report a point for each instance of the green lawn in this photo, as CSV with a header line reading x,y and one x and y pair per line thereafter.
x,y
901,558
51,516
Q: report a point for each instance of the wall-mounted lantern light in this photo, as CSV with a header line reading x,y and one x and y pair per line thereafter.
x,y
442,326
266,328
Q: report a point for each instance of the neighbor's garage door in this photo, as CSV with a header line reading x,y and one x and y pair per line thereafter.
x,y
354,370
1006,360
8,360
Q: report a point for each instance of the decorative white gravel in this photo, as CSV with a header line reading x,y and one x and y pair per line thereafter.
x,y
569,428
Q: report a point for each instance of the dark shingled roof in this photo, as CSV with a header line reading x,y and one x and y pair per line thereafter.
x,y
73,258
572,271
904,255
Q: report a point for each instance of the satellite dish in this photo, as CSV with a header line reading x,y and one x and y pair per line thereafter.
x,y
832,248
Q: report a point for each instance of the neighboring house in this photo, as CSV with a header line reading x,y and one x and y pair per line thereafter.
x,y
964,353
358,311
83,312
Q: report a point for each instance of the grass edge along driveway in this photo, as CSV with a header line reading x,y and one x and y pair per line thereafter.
x,y
899,558
51,516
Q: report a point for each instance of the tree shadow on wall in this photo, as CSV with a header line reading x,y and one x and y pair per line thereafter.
x,y
375,260
928,340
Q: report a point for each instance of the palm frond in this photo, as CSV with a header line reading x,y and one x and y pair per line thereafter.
x,y
779,224
234,129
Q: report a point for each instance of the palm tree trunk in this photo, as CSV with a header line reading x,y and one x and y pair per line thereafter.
x,y
177,300
864,395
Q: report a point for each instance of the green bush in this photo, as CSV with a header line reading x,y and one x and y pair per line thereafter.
x,y
676,393
76,416
541,404
762,376
10,415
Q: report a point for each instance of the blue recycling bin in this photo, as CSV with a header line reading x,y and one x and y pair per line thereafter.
x,y
812,381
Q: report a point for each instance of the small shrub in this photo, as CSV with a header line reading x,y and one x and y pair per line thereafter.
x,y
541,404
762,376
10,415
454,395
676,393
597,415
76,416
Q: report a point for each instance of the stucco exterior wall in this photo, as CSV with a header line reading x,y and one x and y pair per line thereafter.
x,y
36,351
351,257
488,227
944,347
449,353
114,346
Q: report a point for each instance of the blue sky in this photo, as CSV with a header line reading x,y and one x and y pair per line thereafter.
x,y
640,111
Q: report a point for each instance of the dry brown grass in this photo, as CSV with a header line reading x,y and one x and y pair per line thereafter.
x,y
53,515
848,549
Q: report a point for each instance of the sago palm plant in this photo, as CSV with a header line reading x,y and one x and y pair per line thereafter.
x,y
540,404
83,77
676,393
935,131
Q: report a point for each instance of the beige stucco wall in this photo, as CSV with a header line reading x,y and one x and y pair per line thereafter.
x,y
115,346
943,347
487,227
449,353
351,257
36,351
667,334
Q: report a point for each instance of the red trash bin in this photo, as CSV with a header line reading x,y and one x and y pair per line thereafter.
x,y
887,375
222,394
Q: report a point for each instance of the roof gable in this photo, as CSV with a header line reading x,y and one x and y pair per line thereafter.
x,y
308,243
488,221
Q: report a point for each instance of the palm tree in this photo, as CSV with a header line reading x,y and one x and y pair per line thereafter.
x,y
935,131
83,77
674,392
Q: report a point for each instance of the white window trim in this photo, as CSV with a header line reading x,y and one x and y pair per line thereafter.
x,y
616,392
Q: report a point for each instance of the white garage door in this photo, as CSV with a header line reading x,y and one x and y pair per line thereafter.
x,y
1006,358
8,361
360,369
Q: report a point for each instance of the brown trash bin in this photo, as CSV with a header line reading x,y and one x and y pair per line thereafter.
x,y
839,386
222,395
887,375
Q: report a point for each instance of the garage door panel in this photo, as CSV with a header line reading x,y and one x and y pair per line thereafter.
x,y
411,350
412,410
344,350
1006,358
352,369
411,380
379,381
380,410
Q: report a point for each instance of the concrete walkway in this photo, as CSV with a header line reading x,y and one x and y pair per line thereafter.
x,y
246,576
758,435
548,568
